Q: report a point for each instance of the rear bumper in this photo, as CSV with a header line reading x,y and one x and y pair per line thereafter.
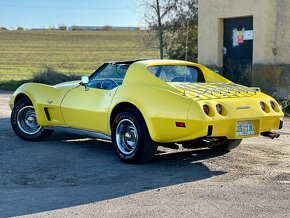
x,y
165,130
228,128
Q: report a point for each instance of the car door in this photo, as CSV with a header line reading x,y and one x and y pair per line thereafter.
x,y
87,108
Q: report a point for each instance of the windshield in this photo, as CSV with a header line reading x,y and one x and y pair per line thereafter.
x,y
171,73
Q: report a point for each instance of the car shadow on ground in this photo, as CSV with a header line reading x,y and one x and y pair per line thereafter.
x,y
67,170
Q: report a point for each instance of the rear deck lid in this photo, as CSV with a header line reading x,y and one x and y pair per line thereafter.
x,y
204,91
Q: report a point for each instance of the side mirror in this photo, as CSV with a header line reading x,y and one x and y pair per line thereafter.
x,y
85,81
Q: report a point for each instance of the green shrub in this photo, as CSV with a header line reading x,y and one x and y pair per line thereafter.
x,y
51,77
11,84
286,106
62,28
48,76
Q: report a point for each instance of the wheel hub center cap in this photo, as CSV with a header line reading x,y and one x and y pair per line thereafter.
x,y
128,135
31,120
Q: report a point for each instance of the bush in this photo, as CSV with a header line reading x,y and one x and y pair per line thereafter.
x,y
285,106
62,28
107,27
11,84
51,77
48,76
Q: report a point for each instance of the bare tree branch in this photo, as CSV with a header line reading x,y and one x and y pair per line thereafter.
x,y
174,25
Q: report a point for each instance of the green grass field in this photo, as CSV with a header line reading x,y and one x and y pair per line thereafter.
x,y
24,53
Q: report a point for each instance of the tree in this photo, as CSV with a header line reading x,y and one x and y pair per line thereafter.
x,y
20,28
157,13
107,27
181,38
62,27
174,24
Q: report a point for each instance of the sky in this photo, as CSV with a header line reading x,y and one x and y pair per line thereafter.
x,y
53,13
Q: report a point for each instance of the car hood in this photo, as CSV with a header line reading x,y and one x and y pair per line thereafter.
x,y
68,85
203,91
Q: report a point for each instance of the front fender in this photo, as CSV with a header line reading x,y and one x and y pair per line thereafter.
x,y
42,97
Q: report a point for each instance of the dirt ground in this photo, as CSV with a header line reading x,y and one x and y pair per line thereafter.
x,y
74,176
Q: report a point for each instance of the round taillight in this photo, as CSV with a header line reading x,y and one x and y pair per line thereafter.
x,y
219,108
205,109
272,105
263,105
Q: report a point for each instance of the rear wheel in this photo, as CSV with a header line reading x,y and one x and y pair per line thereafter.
x,y
131,138
24,122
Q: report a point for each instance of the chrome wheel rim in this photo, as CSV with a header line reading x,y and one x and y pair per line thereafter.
x,y
126,136
26,120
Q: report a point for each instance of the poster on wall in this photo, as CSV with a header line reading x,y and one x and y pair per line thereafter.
x,y
240,36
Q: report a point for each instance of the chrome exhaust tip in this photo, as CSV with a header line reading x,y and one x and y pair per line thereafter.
x,y
270,135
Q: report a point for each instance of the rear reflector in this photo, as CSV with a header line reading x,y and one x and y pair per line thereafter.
x,y
180,124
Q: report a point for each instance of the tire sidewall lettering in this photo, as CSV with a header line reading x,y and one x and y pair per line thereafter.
x,y
17,107
139,149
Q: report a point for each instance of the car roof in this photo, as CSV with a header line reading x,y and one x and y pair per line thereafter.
x,y
152,61
128,62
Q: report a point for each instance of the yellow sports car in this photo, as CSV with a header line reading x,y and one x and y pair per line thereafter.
x,y
142,104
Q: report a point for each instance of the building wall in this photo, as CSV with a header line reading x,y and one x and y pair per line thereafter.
x,y
283,32
211,15
271,43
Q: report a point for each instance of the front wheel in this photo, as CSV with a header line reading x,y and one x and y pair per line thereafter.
x,y
24,122
131,138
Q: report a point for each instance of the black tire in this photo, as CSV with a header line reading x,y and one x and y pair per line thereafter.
x,y
24,123
228,145
131,138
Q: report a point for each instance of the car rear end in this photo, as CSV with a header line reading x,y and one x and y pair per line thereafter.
x,y
230,110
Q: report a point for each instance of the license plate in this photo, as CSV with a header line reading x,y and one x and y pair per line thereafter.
x,y
245,128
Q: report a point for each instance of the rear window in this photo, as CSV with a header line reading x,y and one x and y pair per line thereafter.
x,y
170,73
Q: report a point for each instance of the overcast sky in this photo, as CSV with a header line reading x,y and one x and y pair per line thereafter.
x,y
49,13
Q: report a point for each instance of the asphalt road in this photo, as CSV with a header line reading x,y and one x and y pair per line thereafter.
x,y
74,176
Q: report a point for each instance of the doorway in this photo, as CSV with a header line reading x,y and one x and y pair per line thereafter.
x,y
238,49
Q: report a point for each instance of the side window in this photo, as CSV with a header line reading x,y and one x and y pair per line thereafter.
x,y
108,77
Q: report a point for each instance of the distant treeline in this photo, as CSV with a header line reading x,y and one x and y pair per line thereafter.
x,y
79,28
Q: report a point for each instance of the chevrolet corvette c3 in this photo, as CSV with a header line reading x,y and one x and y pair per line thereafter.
x,y
142,104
